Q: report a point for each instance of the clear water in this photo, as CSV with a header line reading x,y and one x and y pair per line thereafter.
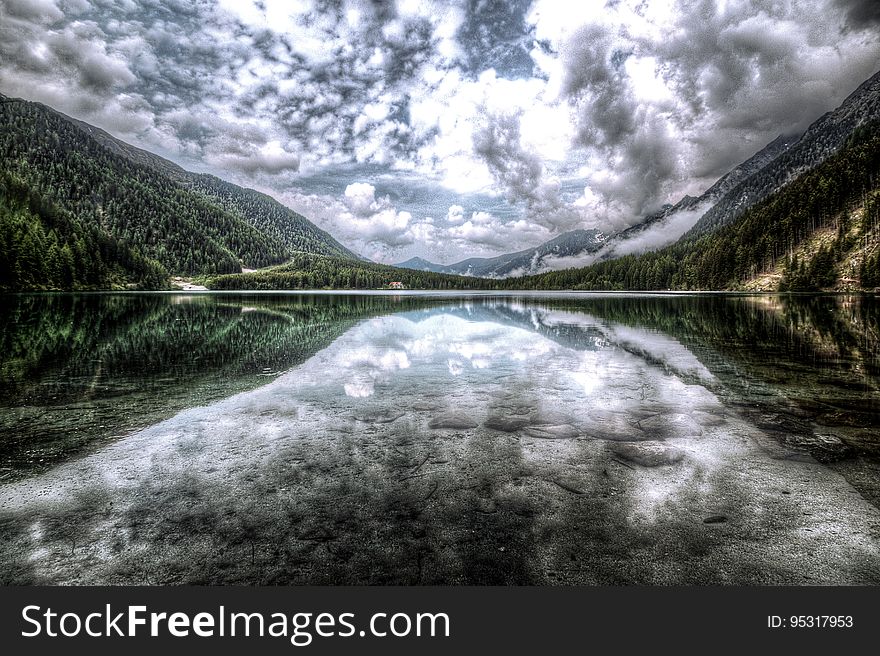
x,y
430,438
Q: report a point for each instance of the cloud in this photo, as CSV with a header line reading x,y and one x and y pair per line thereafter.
x,y
487,234
860,14
375,227
365,223
656,236
506,122
361,198
455,215
33,10
497,141
271,163
669,96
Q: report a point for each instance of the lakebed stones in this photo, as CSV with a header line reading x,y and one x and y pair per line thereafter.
x,y
552,432
568,484
452,419
670,425
424,406
648,453
505,423
708,419
550,425
378,416
616,426
542,425
777,450
548,417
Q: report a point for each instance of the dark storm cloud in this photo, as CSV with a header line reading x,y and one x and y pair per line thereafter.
x,y
754,71
739,74
498,144
613,121
861,13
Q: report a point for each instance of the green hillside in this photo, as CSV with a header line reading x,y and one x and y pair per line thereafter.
x,y
187,223
45,247
820,231
306,271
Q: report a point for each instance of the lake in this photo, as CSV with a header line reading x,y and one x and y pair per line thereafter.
x,y
439,439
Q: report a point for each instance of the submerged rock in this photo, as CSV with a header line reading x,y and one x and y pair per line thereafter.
x,y
708,418
452,419
548,418
379,416
507,424
487,506
670,425
565,484
512,409
617,426
714,519
424,406
647,454
552,432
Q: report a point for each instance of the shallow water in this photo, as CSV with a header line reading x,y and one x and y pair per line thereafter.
x,y
439,438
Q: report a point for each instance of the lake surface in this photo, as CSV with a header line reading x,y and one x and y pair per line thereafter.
x,y
439,439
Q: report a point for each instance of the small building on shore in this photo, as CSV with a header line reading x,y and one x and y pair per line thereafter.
x,y
396,285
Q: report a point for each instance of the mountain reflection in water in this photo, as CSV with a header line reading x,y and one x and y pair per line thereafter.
x,y
440,439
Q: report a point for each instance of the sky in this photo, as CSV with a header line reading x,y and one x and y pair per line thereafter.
x,y
446,129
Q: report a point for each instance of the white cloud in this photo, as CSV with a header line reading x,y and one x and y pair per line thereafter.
x,y
636,103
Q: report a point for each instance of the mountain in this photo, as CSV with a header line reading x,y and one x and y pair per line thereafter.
x,y
260,210
573,244
43,246
421,264
667,225
306,271
132,201
654,231
766,172
820,231
821,140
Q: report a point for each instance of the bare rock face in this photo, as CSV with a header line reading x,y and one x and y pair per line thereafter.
x,y
647,454
452,419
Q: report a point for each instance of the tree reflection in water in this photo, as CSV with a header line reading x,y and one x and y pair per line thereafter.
x,y
440,439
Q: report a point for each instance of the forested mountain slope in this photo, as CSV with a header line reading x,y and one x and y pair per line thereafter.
x,y
306,271
530,260
821,140
149,207
259,210
581,244
821,231
45,247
